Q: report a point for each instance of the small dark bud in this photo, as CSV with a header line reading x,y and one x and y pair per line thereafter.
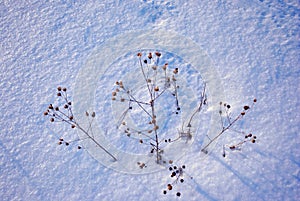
x,y
246,107
158,54
59,88
64,89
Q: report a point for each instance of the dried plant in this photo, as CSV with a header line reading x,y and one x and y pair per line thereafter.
x,y
64,113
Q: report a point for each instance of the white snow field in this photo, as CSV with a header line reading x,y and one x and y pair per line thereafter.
x,y
241,49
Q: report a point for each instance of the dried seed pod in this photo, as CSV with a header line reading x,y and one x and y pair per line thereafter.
x,y
93,114
156,88
114,93
246,107
158,54
64,89
139,54
150,55
170,187
58,88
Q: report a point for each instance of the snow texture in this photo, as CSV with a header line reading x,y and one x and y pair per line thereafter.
x,y
254,49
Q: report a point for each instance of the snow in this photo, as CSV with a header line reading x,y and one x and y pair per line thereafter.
x,y
252,50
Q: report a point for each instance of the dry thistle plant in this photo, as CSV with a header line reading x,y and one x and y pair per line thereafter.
x,y
227,123
160,85
160,82
63,113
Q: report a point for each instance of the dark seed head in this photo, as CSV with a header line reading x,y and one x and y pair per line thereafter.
x,y
183,167
164,192
181,180
228,106
158,54
246,107
178,194
170,168
64,89
59,88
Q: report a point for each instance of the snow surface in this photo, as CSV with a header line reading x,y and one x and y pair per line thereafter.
x,y
254,46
